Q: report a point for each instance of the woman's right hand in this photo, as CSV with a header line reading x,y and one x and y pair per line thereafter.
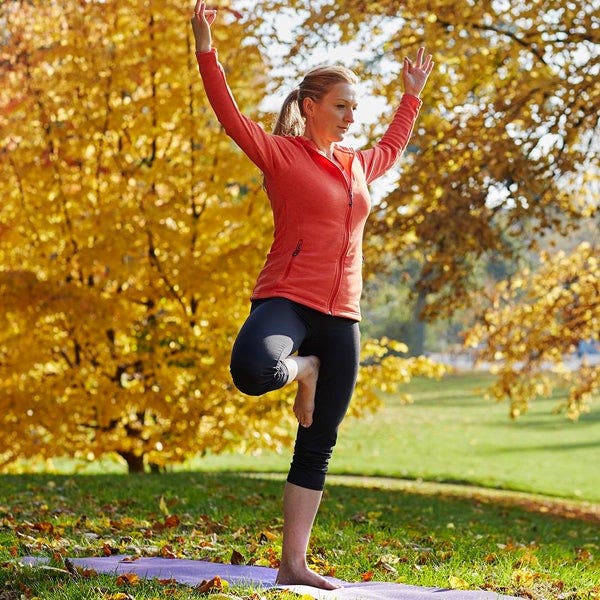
x,y
201,22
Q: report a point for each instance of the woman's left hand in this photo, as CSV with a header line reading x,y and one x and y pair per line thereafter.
x,y
415,74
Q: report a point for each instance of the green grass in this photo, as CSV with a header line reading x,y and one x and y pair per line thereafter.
x,y
452,434
397,527
419,536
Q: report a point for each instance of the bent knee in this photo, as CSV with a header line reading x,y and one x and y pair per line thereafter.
x,y
256,377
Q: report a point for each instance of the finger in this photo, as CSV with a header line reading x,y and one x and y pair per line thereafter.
x,y
197,7
427,63
209,15
419,60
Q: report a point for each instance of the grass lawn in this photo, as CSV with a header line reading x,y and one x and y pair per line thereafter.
x,y
452,434
427,534
419,536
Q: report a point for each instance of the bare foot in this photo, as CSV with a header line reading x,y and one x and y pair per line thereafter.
x,y
304,404
303,576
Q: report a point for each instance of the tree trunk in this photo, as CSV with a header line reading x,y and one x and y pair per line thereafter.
x,y
135,463
418,326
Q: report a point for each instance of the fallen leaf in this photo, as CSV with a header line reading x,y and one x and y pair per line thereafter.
x,y
164,509
107,550
583,554
386,566
129,559
267,536
167,552
528,559
172,521
273,558
358,517
367,576
523,577
128,579
88,573
457,583
216,583
124,523
44,527
236,558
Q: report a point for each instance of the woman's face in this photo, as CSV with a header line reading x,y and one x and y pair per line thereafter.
x,y
330,117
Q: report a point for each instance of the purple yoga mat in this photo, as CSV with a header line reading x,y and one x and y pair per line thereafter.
x,y
194,572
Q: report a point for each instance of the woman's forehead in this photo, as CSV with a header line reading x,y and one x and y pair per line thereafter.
x,y
343,91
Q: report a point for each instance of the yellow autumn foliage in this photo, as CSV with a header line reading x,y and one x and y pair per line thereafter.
x,y
503,154
132,233
503,146
535,322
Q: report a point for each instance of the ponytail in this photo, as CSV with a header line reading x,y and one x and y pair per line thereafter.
x,y
290,121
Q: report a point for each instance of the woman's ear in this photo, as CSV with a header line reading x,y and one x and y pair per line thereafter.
x,y
308,105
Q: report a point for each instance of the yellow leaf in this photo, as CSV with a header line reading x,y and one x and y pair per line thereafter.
x,y
523,577
164,509
457,583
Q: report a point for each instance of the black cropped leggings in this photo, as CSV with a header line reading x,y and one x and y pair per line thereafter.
x,y
276,328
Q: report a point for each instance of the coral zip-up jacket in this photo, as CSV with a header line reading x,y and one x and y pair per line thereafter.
x,y
319,209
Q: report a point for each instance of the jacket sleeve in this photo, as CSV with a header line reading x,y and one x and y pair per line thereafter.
x,y
261,147
378,159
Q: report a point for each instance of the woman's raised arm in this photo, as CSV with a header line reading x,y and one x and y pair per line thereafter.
x,y
262,148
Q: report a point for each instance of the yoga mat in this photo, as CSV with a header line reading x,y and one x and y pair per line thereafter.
x,y
193,572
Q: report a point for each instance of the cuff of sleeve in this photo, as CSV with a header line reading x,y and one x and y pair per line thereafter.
x,y
413,100
204,56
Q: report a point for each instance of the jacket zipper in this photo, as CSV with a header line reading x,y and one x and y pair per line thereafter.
x,y
340,265
339,269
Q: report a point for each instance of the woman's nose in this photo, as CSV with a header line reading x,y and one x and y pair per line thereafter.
x,y
349,116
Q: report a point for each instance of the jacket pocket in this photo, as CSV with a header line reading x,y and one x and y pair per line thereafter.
x,y
292,257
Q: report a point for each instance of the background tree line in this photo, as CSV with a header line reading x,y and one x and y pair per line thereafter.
x,y
131,229
132,234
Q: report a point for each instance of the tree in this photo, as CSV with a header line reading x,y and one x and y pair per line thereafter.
x,y
505,140
127,216
536,319
132,234
506,146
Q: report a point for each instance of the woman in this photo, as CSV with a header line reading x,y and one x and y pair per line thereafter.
x,y
306,299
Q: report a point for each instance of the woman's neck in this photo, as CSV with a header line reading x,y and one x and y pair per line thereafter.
x,y
323,147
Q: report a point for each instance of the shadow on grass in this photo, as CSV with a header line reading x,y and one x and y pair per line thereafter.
x,y
546,448
421,535
353,507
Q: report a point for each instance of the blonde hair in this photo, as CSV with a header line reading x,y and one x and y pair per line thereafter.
x,y
316,83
